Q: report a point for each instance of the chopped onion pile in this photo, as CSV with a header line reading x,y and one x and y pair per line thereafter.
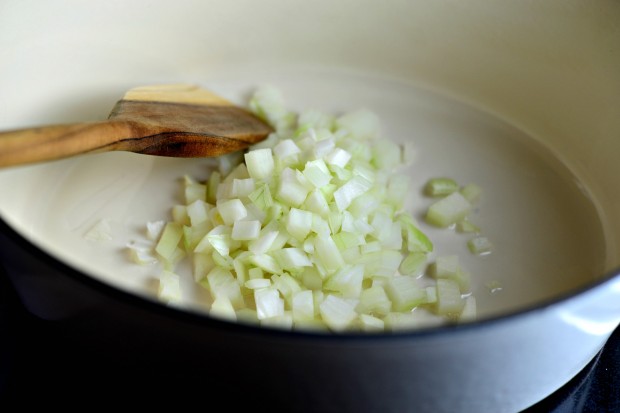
x,y
308,230
454,208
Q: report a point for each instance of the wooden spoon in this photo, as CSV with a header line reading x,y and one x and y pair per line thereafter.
x,y
169,120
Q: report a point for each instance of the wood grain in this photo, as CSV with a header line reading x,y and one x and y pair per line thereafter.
x,y
173,121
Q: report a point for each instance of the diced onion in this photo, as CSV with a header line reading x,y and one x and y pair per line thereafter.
x,y
480,245
268,303
259,163
441,186
448,210
307,230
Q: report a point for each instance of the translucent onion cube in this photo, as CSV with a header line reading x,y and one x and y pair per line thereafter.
x,y
417,241
261,197
364,205
350,190
170,238
245,230
393,239
363,227
469,310
463,279
292,258
194,192
323,147
242,187
320,226
202,265
347,281
239,172
223,308
382,224
369,247
263,243
467,226
179,214
375,301
449,300
383,263
291,191
338,157
169,289
221,282
480,245
440,186
365,170
431,294
285,149
260,163
231,211
212,185
299,223
405,293
283,322
307,140
316,173
345,240
397,190
337,312
448,210
348,222
266,263
446,266
255,273
303,306
257,283
198,212
268,303
327,253
287,286
311,279
413,264
371,324
219,241
316,203
255,213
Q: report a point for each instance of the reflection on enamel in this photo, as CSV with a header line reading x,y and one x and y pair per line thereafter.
x,y
600,313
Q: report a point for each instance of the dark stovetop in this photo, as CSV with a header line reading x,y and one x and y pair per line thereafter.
x,y
43,362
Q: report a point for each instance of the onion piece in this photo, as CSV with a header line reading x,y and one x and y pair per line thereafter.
x,y
448,210
440,186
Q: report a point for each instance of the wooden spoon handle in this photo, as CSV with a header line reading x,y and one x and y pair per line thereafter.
x,y
59,141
